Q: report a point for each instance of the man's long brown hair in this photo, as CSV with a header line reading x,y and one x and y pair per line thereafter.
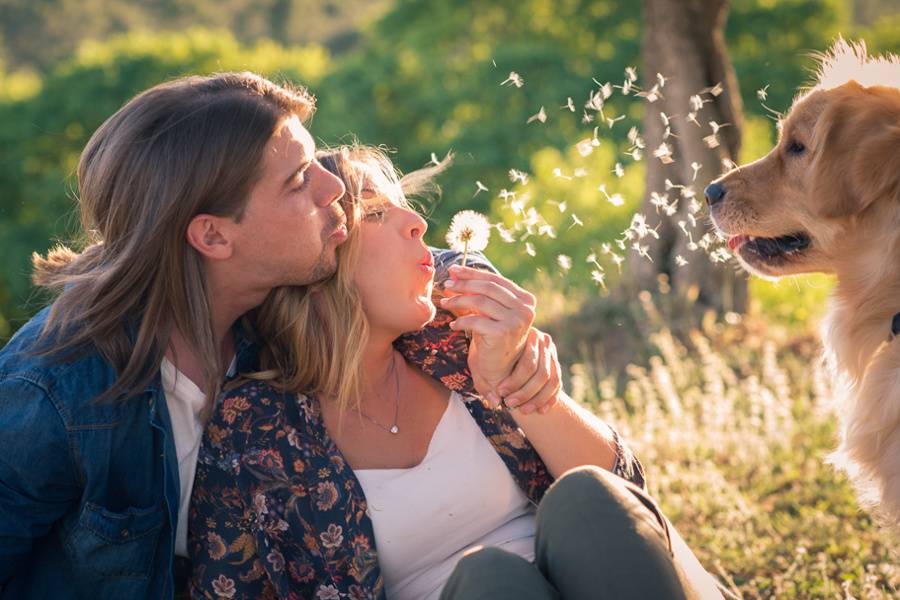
x,y
187,147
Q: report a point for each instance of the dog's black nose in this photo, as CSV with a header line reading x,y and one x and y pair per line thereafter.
x,y
714,193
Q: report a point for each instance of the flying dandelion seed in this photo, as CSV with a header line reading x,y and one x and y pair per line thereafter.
x,y
529,249
557,172
763,93
591,258
594,101
560,205
619,170
616,199
565,262
626,87
517,206
516,175
664,154
660,80
469,230
695,166
514,79
540,116
651,96
635,138
716,127
642,250
711,141
606,90
585,147
728,164
664,117
599,277
610,121
606,248
696,103
636,154
631,74
680,261
479,187
434,159
715,90
580,172
575,221
569,104
586,118
618,259
692,118
505,234
547,230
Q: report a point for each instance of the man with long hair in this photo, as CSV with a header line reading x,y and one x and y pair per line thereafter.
x,y
198,198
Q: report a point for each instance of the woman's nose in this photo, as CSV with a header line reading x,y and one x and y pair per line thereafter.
x,y
417,225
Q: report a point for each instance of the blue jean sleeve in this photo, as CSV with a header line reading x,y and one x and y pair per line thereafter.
x,y
38,482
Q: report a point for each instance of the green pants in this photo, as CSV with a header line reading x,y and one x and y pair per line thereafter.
x,y
598,537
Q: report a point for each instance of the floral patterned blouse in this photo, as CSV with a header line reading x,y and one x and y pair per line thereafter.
x,y
276,512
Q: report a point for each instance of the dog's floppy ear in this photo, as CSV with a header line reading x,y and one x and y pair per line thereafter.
x,y
857,150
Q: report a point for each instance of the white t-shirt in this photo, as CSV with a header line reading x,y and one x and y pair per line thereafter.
x,y
185,402
460,496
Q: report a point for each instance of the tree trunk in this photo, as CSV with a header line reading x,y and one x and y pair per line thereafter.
x,y
683,41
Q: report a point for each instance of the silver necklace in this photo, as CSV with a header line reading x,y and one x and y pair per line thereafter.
x,y
394,429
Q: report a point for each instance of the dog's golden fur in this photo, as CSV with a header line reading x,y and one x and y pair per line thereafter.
x,y
827,198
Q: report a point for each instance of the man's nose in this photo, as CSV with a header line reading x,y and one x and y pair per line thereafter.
x,y
331,189
715,193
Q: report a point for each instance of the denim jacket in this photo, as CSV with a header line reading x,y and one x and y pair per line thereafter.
x,y
88,492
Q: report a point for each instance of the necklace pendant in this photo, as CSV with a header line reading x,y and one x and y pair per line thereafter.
x,y
395,430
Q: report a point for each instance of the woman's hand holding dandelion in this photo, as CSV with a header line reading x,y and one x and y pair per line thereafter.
x,y
508,358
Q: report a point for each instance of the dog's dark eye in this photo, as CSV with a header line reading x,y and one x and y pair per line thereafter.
x,y
795,148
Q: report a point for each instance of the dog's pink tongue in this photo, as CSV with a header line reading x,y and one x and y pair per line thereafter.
x,y
737,241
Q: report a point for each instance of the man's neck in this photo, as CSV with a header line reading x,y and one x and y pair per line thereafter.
x,y
226,305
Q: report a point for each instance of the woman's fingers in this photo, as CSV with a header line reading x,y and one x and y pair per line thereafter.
x,y
483,287
460,273
483,305
478,324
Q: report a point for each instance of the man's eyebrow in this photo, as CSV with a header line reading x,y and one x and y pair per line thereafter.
x,y
299,170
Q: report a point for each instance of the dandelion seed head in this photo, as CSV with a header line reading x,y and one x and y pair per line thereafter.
x,y
469,231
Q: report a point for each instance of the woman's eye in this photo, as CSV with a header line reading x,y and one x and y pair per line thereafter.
x,y
795,148
375,213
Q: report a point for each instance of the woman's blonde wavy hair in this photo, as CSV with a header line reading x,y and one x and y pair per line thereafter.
x,y
314,336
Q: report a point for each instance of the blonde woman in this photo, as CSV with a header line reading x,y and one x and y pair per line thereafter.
x,y
343,472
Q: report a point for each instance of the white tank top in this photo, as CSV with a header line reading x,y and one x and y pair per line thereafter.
x,y
460,496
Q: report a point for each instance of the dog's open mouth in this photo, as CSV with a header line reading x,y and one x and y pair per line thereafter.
x,y
769,249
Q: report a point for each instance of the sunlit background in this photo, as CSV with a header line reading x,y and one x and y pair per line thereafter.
x,y
724,401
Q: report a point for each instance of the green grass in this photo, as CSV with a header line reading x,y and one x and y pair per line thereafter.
x,y
733,424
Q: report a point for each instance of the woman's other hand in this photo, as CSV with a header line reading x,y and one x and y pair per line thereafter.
x,y
536,380
507,357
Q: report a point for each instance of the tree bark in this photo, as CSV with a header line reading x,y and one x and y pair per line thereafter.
x,y
683,41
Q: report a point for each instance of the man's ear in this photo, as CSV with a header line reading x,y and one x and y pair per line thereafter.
x,y
857,152
210,236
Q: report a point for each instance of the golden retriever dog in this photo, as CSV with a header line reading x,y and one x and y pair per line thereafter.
x,y
827,199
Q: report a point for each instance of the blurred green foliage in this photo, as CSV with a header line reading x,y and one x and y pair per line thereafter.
x,y
426,77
